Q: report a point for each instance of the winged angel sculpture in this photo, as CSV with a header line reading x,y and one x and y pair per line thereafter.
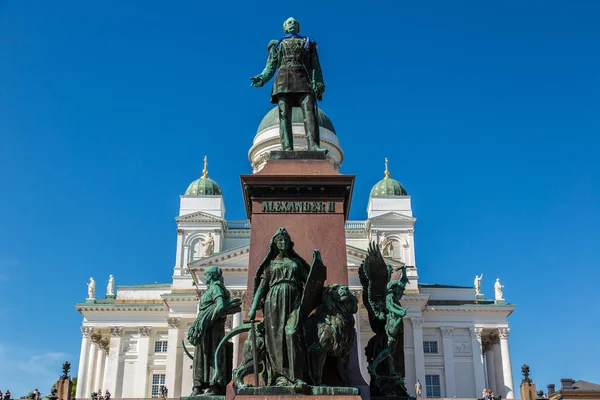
x,y
385,351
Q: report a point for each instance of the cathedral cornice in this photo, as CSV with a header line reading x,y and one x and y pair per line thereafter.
x,y
219,257
468,308
122,307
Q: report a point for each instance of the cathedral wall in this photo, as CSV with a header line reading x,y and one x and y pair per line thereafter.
x,y
129,378
360,243
141,294
449,293
383,205
212,205
232,243
465,377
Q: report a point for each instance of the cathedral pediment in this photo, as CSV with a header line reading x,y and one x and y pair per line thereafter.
x,y
356,256
234,258
392,216
199,216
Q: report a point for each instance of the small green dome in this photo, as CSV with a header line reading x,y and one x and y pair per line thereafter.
x,y
272,119
388,187
203,186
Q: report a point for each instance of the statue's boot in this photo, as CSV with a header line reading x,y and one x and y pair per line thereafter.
x,y
287,140
314,143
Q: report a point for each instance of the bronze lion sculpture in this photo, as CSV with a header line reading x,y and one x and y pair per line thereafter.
x,y
329,333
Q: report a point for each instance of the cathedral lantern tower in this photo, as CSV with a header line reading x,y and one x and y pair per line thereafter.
x,y
391,223
200,225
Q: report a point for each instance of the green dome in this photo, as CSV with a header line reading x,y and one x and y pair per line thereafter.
x,y
388,187
272,119
203,186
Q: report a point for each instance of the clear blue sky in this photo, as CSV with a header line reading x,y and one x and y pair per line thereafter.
x,y
488,111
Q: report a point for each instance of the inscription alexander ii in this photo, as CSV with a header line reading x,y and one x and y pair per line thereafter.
x,y
298,207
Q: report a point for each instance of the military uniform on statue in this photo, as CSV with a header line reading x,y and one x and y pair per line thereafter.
x,y
298,83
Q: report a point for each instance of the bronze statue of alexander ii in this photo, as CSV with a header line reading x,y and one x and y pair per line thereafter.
x,y
298,83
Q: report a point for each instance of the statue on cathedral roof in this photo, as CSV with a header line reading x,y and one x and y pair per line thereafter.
x,y
498,290
477,283
298,83
91,289
385,350
110,288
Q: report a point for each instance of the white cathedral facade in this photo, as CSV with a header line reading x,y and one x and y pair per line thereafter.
x,y
456,342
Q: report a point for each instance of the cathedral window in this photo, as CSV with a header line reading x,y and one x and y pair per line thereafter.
x,y
432,385
158,380
160,346
430,347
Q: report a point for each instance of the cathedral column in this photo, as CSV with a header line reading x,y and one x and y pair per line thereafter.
x,y
497,365
362,364
186,259
506,366
107,352
178,260
99,367
89,379
174,360
112,366
141,375
86,332
417,324
448,343
477,346
237,321
491,373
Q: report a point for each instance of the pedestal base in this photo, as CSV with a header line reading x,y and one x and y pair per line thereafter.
x,y
293,391
479,297
296,397
297,155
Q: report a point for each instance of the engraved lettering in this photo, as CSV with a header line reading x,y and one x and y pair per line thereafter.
x,y
305,207
321,207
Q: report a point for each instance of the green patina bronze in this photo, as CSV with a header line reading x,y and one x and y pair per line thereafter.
x,y
278,288
271,119
385,350
298,83
206,333
305,325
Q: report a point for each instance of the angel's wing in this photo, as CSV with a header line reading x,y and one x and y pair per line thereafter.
x,y
374,277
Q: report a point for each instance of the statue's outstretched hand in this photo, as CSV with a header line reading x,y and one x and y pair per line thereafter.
x,y
256,81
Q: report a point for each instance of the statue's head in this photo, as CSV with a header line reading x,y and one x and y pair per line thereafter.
x,y
291,25
213,274
282,241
